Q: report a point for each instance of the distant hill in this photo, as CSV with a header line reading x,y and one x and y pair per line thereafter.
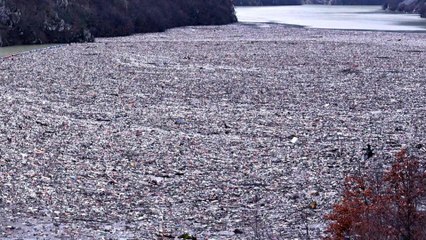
x,y
266,2
423,11
299,2
412,6
61,21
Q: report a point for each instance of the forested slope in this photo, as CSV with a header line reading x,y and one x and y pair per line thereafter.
x,y
416,6
298,2
266,2
58,21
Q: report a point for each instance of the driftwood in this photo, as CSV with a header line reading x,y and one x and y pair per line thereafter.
x,y
211,132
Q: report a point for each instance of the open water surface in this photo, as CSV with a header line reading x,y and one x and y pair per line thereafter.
x,y
8,51
333,17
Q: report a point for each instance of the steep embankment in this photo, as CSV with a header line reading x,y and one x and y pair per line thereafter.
x,y
49,21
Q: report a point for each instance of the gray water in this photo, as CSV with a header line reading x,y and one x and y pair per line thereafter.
x,y
8,51
333,17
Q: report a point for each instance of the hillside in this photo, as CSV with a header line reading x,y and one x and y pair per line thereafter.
x,y
299,2
61,21
345,2
416,6
266,2
408,6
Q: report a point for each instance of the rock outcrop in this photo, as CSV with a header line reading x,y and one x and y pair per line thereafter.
x,y
62,21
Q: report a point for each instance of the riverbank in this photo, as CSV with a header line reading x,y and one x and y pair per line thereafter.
x,y
219,132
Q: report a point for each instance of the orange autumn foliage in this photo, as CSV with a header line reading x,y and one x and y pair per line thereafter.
x,y
387,207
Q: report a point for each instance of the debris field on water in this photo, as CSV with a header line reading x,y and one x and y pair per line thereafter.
x,y
213,132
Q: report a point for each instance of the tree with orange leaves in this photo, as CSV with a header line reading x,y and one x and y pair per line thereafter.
x,y
384,208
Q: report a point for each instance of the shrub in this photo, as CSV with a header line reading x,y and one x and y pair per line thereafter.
x,y
388,207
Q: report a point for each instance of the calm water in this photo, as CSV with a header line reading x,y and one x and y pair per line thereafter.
x,y
7,51
333,17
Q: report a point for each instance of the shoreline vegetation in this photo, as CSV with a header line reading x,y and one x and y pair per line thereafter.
x,y
224,132
66,21
22,49
48,21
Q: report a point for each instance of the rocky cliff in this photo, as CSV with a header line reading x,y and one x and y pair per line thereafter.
x,y
61,21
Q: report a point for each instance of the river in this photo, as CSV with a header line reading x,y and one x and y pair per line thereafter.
x,y
7,51
333,17
312,16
